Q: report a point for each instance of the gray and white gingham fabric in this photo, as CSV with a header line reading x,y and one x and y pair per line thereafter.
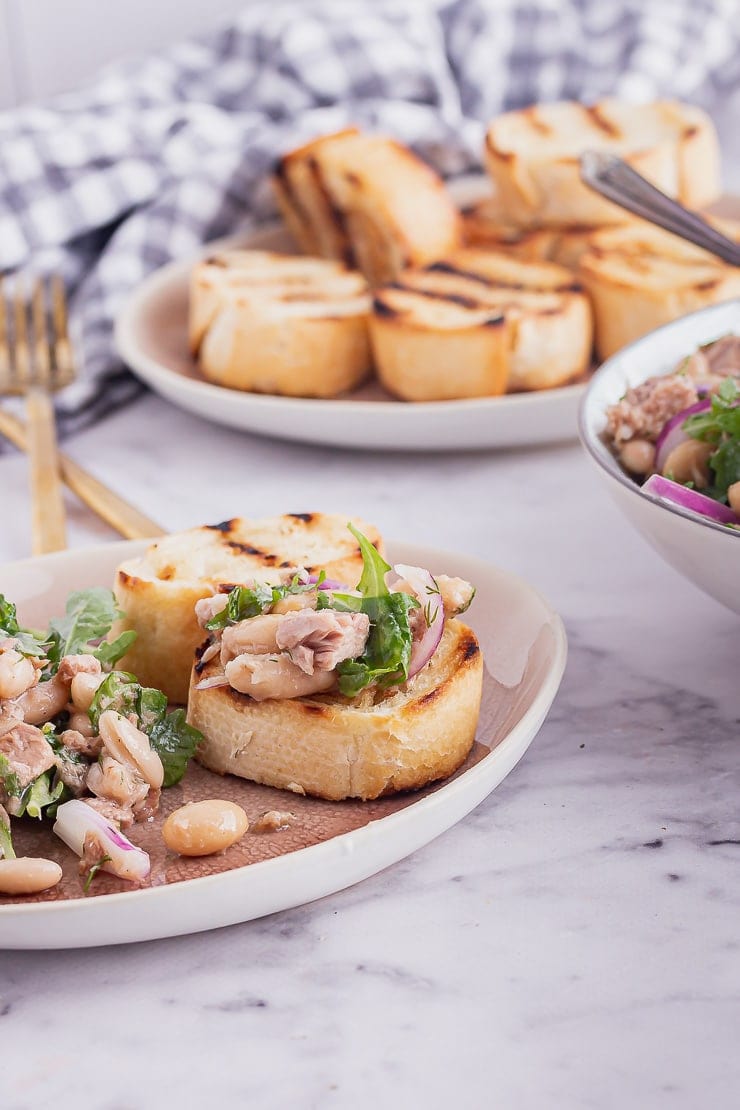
x,y
160,154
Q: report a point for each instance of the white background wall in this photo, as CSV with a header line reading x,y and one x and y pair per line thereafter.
x,y
49,46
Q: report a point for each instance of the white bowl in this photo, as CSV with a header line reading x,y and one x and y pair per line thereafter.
x,y
706,553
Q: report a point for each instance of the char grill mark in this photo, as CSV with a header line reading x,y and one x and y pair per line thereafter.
x,y
593,112
381,308
348,254
225,526
536,121
245,548
305,517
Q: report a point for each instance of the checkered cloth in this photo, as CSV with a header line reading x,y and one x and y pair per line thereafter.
x,y
158,155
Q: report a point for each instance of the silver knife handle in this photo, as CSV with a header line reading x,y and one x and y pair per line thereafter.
x,y
617,181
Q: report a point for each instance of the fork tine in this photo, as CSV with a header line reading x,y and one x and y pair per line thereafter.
x,y
64,368
21,351
5,376
41,343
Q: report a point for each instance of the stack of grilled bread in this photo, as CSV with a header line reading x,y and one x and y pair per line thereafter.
x,y
443,307
636,276
273,323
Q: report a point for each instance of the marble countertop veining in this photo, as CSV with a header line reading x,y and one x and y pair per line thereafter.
x,y
572,944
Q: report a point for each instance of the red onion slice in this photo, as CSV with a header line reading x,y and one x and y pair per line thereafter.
x,y
427,594
76,819
672,432
690,499
330,584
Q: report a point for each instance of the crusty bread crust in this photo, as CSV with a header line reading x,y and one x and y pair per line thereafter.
x,y
478,324
642,277
368,201
274,323
532,156
157,592
332,748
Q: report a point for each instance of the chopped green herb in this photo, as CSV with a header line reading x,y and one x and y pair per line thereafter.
x,y
170,735
89,617
94,868
385,660
29,643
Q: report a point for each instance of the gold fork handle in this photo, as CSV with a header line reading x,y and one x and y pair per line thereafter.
x,y
111,508
48,528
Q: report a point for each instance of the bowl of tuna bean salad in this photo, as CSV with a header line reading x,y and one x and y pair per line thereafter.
x,y
661,420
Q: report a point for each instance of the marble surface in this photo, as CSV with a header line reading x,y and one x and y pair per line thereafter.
x,y
573,943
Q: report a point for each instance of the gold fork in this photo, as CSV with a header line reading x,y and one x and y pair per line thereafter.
x,y
35,366
35,361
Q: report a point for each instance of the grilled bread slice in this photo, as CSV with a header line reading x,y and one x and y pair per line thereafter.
x,y
333,747
478,324
641,277
485,225
273,323
533,155
367,201
157,591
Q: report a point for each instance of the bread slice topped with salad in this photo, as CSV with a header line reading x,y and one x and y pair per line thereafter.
x,y
532,156
157,591
276,323
478,324
368,201
338,692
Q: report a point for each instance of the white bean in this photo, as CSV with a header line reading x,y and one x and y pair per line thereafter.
x,y
28,875
128,744
689,462
83,689
17,674
201,828
637,456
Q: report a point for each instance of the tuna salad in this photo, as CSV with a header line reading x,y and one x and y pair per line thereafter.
x,y
678,434
82,744
313,635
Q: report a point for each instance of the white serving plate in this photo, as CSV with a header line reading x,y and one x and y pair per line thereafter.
x,y
706,553
151,338
524,647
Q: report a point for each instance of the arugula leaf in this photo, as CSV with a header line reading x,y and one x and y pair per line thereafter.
x,y
28,642
720,426
385,660
173,739
88,619
6,840
119,691
39,794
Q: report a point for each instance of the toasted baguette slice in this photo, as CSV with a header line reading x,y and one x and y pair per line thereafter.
x,y
368,201
331,747
478,324
485,226
273,323
533,155
157,592
640,278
